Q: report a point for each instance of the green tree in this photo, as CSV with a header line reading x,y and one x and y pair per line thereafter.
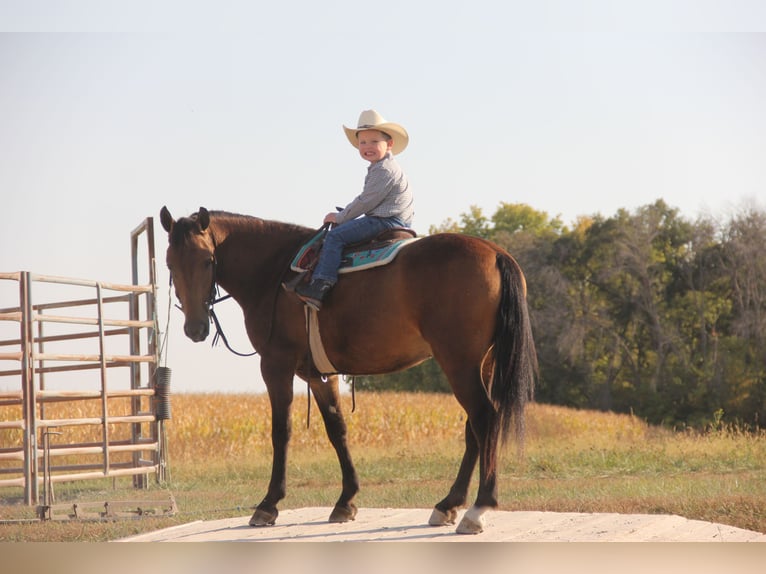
x,y
472,223
744,264
512,218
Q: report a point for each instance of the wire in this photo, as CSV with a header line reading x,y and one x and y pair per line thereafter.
x,y
163,357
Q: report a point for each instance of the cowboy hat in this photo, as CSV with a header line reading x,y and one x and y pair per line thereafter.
x,y
372,120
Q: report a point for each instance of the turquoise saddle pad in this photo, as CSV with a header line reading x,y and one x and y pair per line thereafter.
x,y
355,258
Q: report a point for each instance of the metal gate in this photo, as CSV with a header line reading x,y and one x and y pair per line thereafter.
x,y
81,402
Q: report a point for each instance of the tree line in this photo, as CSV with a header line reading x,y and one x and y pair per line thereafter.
x,y
643,312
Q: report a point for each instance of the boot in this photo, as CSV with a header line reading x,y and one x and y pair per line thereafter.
x,y
313,293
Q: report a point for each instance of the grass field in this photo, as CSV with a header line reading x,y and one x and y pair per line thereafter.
x,y
407,448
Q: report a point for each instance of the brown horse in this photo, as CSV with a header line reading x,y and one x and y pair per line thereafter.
x,y
459,299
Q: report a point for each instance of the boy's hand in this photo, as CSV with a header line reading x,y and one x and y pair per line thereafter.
x,y
330,218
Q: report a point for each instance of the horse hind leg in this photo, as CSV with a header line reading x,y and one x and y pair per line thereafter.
x,y
328,401
485,430
473,519
445,511
481,435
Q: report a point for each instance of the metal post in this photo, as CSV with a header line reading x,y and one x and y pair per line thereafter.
x,y
31,488
104,389
147,228
26,394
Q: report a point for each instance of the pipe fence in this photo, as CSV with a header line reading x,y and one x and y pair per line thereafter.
x,y
80,400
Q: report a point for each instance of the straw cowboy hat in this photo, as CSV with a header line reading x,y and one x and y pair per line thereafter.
x,y
372,120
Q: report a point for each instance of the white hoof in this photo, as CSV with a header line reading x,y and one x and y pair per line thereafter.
x,y
473,521
439,518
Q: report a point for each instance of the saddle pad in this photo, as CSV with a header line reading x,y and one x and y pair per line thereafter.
x,y
354,260
308,253
368,258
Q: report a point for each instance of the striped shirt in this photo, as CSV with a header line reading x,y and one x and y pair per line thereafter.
x,y
386,193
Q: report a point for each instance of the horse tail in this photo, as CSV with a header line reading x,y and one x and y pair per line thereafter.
x,y
515,358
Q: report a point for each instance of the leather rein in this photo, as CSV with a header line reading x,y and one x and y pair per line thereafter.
x,y
214,298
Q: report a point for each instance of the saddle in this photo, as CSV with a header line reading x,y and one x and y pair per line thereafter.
x,y
379,251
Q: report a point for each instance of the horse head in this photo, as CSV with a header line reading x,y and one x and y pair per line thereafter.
x,y
191,261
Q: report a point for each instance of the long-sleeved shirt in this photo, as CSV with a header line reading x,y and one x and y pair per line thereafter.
x,y
386,193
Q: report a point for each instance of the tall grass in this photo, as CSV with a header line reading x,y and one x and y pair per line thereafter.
x,y
407,448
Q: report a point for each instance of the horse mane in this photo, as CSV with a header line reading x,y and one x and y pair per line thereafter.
x,y
244,222
186,226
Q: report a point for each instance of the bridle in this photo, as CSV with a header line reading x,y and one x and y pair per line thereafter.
x,y
210,302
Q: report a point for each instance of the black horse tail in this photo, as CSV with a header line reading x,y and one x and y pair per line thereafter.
x,y
515,366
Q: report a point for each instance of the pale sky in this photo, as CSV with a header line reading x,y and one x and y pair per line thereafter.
x,y
573,108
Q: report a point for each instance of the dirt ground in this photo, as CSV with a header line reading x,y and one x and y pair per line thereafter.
x,y
411,525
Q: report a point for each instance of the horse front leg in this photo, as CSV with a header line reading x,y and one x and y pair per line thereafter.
x,y
328,401
281,398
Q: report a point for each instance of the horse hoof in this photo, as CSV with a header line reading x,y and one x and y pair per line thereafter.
x,y
439,518
473,521
263,518
343,513
468,526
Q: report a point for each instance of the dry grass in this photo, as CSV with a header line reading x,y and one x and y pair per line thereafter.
x,y
407,448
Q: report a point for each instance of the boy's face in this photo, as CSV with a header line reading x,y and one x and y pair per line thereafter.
x,y
373,145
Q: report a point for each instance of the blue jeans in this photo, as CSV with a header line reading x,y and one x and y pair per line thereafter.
x,y
354,231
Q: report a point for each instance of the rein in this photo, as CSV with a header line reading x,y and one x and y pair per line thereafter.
x,y
219,334
214,298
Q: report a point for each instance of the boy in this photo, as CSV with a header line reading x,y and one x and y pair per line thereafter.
x,y
385,201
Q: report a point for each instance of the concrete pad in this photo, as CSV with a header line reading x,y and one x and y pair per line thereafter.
x,y
411,525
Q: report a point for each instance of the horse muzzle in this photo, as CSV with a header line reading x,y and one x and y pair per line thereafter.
x,y
197,330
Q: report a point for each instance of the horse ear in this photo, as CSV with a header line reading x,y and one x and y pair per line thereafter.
x,y
166,219
203,218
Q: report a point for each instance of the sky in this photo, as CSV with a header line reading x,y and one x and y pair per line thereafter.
x,y
572,107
